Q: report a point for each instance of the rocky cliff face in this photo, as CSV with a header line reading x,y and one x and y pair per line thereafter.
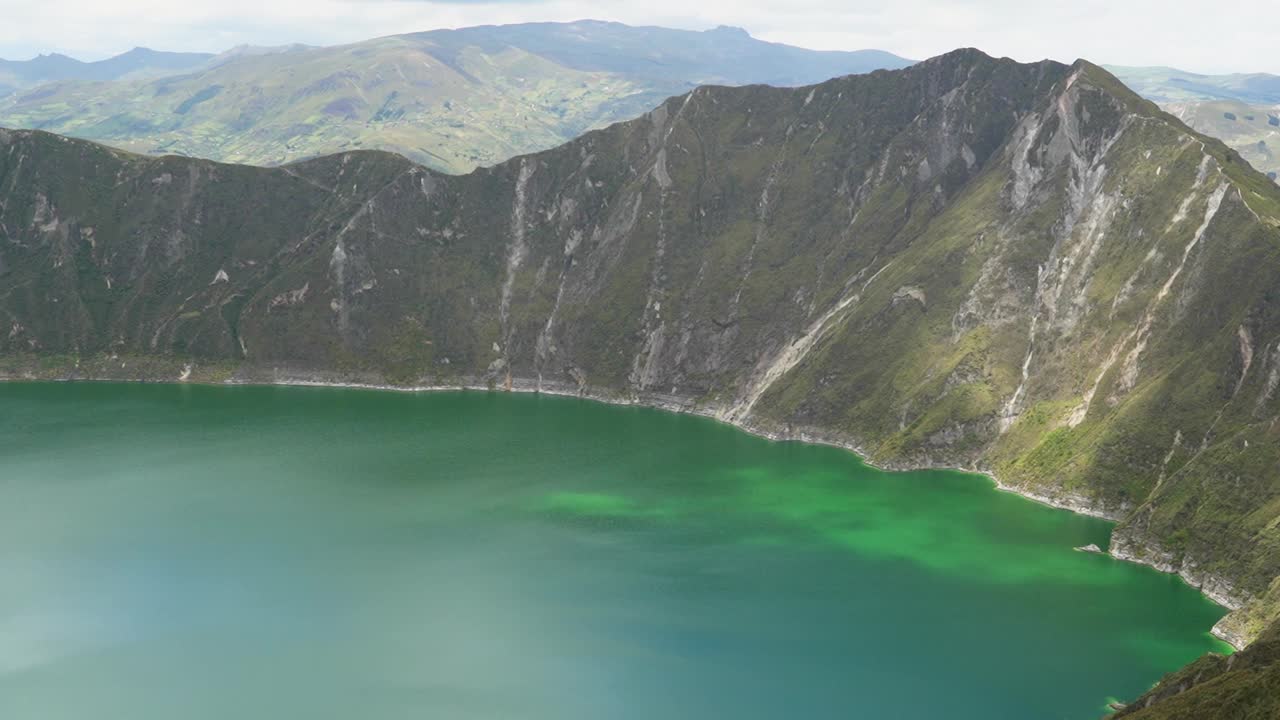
x,y
1020,268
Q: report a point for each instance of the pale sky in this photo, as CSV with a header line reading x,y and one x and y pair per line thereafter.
x,y
1211,37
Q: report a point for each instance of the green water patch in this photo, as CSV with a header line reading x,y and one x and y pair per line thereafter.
x,y
600,506
944,522
208,552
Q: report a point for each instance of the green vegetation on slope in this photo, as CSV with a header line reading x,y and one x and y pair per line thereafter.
x,y
1253,130
1243,686
450,99
1242,110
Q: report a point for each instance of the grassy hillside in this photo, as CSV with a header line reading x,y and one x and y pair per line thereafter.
x,y
1253,130
1244,686
1242,110
450,99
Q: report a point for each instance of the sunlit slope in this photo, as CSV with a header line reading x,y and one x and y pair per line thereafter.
x,y
1253,130
1242,110
449,99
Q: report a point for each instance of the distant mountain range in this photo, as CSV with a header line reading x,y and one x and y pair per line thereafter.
x,y
451,99
1170,85
457,99
1243,110
16,75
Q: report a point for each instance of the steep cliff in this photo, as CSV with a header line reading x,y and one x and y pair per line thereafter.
x,y
1025,269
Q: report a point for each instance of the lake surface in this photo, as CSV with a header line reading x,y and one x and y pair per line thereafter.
x,y
205,552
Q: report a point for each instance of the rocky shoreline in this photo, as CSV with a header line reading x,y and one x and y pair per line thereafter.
x,y
1122,547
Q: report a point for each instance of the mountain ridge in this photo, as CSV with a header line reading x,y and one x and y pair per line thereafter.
x,y
17,75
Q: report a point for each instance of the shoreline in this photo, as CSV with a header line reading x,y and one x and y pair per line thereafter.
x,y
1210,588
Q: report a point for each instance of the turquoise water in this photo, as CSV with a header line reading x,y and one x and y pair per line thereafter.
x,y
207,552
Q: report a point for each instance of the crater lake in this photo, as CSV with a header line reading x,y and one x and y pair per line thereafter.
x,y
174,551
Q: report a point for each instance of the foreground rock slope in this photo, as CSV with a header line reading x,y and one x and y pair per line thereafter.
x,y
1244,686
1023,269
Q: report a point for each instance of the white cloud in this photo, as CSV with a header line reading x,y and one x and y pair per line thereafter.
x,y
1228,36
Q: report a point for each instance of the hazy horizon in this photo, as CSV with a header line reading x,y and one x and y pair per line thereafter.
x,y
1141,33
